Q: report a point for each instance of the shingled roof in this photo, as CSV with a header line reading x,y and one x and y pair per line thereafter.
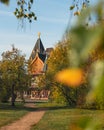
x,y
38,48
42,57
39,55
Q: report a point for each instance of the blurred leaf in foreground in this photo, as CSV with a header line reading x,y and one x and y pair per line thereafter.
x,y
71,77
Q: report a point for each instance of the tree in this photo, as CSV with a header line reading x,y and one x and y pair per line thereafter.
x,y
57,61
87,54
79,5
14,75
23,10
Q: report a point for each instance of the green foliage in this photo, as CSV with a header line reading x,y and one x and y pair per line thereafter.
x,y
23,10
79,5
57,95
5,94
87,53
57,61
13,67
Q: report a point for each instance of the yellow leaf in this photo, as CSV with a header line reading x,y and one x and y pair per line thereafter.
x,y
71,77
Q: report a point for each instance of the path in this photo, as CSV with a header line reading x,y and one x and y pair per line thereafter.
x,y
27,121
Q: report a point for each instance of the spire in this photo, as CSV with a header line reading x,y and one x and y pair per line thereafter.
x,y
39,34
38,48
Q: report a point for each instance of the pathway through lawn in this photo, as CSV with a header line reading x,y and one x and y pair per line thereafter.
x,y
27,121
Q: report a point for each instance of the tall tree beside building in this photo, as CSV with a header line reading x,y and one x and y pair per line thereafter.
x,y
14,75
58,61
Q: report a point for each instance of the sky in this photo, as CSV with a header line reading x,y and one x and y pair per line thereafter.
x,y
52,21
53,17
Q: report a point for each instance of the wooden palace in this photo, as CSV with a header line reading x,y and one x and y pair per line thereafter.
x,y
38,67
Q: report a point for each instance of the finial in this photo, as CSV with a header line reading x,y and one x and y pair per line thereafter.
x,y
39,34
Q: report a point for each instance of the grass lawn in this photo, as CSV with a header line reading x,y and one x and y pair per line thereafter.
x,y
8,114
64,118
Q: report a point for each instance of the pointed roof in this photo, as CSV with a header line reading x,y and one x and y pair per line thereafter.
x,y
42,57
38,48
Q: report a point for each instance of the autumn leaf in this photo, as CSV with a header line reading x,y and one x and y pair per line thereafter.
x,y
71,77
72,7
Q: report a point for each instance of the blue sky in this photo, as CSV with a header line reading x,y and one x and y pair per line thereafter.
x,y
52,20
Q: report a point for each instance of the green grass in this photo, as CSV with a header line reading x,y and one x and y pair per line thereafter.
x,y
61,118
8,113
